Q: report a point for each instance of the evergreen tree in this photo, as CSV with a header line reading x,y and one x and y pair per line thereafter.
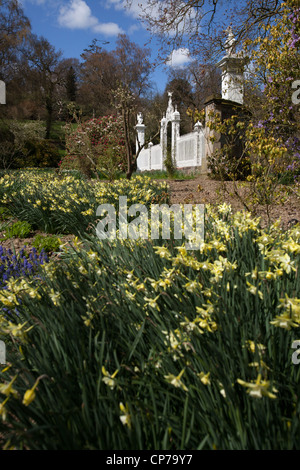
x,y
71,85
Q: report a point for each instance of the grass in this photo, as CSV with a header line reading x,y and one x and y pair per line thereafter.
x,y
178,175
58,131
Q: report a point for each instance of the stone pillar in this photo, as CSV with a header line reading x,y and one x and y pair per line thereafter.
x,y
198,129
163,140
175,134
232,79
232,98
212,138
140,130
215,105
171,116
232,66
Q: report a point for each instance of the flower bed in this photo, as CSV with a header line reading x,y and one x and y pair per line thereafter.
x,y
143,345
56,204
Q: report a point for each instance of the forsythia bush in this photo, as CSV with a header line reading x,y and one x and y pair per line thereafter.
x,y
261,143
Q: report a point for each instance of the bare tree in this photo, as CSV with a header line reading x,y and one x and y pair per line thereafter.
x,y
206,79
14,28
134,65
99,75
47,70
200,25
135,70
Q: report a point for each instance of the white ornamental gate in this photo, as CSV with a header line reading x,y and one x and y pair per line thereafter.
x,y
187,150
193,149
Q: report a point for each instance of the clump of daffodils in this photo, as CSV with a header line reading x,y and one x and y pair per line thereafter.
x,y
290,316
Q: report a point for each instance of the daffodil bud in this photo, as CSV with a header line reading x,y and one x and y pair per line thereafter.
x,y
29,396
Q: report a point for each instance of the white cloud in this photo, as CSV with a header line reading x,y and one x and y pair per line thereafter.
x,y
136,7
108,29
78,15
134,28
117,4
179,58
133,8
141,9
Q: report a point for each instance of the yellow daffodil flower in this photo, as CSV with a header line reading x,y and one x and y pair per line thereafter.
x,y
259,388
176,380
3,411
109,379
125,417
7,389
204,378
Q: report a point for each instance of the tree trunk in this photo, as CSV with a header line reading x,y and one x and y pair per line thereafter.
x,y
49,108
130,167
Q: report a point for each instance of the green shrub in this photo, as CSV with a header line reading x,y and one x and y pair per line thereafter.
x,y
15,137
19,229
4,213
38,153
109,163
48,243
224,166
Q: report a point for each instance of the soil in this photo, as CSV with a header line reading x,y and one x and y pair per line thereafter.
x,y
16,244
203,190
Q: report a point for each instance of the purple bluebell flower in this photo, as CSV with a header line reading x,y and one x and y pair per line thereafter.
x,y
260,124
14,265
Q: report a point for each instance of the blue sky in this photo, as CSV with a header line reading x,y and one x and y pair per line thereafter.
x,y
71,25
